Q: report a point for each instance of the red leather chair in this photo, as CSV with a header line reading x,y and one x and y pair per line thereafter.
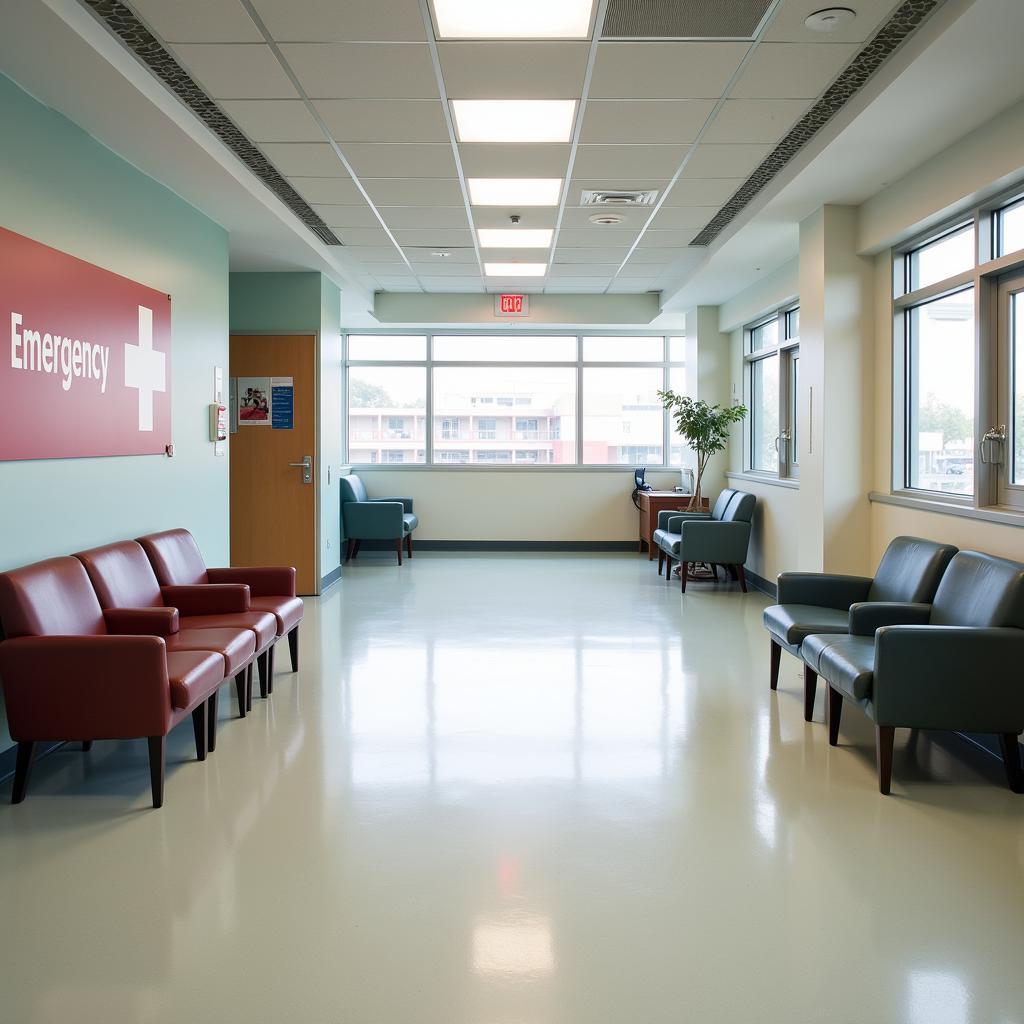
x,y
177,560
67,676
211,618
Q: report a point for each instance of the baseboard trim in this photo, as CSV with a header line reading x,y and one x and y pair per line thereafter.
x,y
330,579
504,545
760,583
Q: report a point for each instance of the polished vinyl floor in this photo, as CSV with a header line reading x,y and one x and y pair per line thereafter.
x,y
518,789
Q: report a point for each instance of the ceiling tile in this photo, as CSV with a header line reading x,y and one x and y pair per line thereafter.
x,y
446,268
332,21
611,255
702,191
628,161
622,286
582,270
523,71
398,269
498,160
340,191
598,237
305,159
713,160
681,218
669,71
656,256
233,71
436,237
643,271
398,284
370,254
584,286
788,24
424,216
414,191
453,284
529,216
755,120
644,121
198,21
396,160
274,120
363,70
653,239
634,217
363,236
337,216
425,255
792,70
384,120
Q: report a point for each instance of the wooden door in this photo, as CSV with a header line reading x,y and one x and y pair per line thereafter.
x,y
273,507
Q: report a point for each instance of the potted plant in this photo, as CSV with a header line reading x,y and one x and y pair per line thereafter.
x,y
705,428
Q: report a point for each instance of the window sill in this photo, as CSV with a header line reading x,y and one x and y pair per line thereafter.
x,y
1004,516
770,481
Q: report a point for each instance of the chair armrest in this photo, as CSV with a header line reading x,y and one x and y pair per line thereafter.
x,y
949,677
373,520
714,541
405,502
868,616
675,520
826,590
207,598
262,581
85,687
142,621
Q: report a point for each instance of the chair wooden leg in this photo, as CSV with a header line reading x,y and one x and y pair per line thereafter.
x,y
833,713
742,576
1011,759
884,736
199,727
355,548
408,544
87,745
349,546
240,693
270,667
668,568
398,548
22,770
810,691
293,648
684,571
776,659
157,759
248,687
211,721
661,559
261,667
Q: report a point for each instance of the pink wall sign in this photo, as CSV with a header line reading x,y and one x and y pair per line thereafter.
x,y
85,358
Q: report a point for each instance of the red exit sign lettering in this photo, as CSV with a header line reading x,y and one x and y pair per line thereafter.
x,y
511,305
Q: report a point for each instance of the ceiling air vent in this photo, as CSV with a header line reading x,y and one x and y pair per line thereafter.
x,y
618,197
683,19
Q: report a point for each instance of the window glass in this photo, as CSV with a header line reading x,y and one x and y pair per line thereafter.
x,y
387,413
792,324
794,391
765,335
945,257
498,349
1017,364
470,426
621,413
764,414
387,347
940,394
677,446
1011,228
624,350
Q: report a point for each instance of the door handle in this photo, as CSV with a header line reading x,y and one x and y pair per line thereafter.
x,y
306,465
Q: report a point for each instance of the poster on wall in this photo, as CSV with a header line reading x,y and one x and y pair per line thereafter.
x,y
85,364
254,399
282,403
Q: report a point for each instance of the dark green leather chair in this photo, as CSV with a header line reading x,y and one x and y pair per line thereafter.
x,y
952,665
721,538
365,518
819,603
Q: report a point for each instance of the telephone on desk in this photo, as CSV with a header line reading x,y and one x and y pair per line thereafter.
x,y
640,484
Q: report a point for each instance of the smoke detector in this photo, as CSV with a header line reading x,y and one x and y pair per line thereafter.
x,y
831,19
607,219
618,197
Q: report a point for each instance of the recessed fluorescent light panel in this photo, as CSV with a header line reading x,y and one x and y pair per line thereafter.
x,y
514,191
515,269
514,120
523,19
514,238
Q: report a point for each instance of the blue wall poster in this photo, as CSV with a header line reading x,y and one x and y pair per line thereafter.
x,y
282,404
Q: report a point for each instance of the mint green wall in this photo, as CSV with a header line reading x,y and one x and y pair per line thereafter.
x,y
264,303
61,187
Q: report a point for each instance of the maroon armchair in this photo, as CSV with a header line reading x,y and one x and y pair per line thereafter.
x,y
207,618
177,560
68,676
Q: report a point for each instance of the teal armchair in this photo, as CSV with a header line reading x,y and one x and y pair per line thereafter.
x,y
365,518
719,538
950,665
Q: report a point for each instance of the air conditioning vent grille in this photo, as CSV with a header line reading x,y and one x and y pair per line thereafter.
x,y
618,197
683,19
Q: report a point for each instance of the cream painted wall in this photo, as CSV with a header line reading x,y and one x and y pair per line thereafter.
x,y
517,505
773,539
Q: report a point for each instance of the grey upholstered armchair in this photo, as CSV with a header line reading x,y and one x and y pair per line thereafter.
x,y
364,518
953,664
721,538
819,603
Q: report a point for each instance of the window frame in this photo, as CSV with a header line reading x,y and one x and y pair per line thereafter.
x,y
432,464
787,351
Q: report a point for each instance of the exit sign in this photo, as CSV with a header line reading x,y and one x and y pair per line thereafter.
x,y
511,305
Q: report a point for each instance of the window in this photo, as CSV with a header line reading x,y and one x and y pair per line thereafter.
x,y
1010,403
513,399
771,387
946,256
1010,228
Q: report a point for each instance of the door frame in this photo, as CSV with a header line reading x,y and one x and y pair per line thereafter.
x,y
317,475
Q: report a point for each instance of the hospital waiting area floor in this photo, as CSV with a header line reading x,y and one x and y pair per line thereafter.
x,y
518,789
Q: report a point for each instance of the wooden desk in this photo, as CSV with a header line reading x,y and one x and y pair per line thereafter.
x,y
653,502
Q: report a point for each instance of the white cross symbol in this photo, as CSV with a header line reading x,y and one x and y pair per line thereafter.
x,y
145,369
